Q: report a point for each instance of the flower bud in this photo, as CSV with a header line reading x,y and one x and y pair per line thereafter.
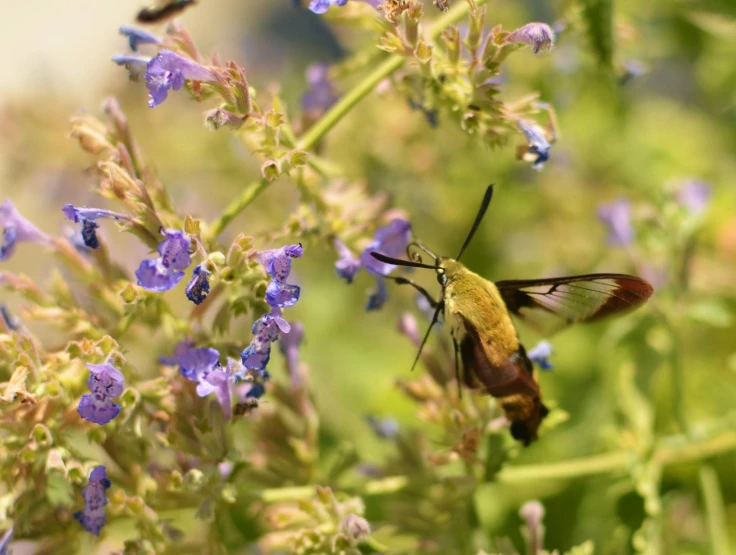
x,y
355,527
538,36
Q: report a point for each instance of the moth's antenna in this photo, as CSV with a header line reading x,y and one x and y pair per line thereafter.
x,y
483,207
435,317
415,256
399,262
404,281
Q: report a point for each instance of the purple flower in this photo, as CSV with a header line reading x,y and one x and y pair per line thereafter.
x,y
92,517
540,353
162,274
537,143
377,298
138,36
694,196
533,530
256,356
278,261
256,391
282,295
105,381
154,276
198,285
391,240
5,542
87,217
347,265
11,323
219,382
289,346
385,428
321,6
265,330
321,94
195,363
539,36
169,70
616,216
136,65
17,229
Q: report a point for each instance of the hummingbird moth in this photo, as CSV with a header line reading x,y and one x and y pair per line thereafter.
x,y
485,339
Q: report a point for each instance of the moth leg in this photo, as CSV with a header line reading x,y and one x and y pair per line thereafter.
x,y
457,369
422,290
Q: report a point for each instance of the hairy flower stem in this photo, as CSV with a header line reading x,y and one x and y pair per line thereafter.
x,y
317,131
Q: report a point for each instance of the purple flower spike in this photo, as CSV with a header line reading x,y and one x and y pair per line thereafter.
x,y
540,353
154,276
616,216
169,70
138,36
195,363
17,229
174,250
347,265
105,381
694,196
220,383
539,36
378,298
92,517
321,95
87,217
199,286
538,144
391,240
136,65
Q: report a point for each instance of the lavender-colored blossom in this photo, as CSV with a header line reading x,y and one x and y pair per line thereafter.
x,y
11,322
390,240
194,363
538,36
5,542
256,391
321,95
347,265
136,65
538,144
694,196
105,381
256,355
289,343
92,517
87,217
154,276
616,216
266,330
17,229
278,261
377,298
282,295
138,36
174,250
169,70
198,285
321,6
533,530
540,353
219,382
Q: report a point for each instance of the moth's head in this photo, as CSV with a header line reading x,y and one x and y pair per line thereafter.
x,y
447,269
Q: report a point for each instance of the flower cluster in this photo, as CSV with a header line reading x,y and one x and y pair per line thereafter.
x,y
105,381
391,240
92,517
279,294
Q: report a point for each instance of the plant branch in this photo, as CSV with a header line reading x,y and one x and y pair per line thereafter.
x,y
714,510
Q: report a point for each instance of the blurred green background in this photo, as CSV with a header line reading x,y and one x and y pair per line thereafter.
x,y
640,140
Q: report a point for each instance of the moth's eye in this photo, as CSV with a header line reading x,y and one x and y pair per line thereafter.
x,y
441,277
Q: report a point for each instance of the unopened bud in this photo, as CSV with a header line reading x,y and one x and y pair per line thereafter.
x,y
538,36
355,527
217,118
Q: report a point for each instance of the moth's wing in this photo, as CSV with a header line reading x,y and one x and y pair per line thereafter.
x,y
512,375
548,305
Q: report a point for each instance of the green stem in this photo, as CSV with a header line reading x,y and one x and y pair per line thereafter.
x,y
714,510
393,62
249,194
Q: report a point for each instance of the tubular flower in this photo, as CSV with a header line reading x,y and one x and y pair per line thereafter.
x,y
105,381
92,517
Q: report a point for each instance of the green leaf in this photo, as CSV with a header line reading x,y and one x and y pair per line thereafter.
x,y
598,16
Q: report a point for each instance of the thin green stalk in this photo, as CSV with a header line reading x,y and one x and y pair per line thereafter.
x,y
249,194
714,510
